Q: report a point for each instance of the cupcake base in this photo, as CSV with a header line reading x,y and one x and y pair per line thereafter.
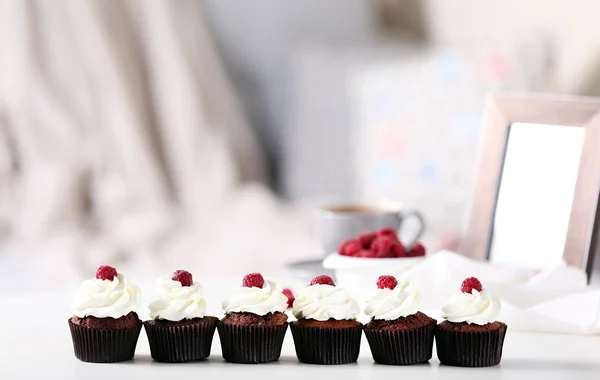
x,y
105,340
404,341
464,345
328,342
259,342
178,342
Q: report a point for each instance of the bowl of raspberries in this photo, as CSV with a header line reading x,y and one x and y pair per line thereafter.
x,y
359,261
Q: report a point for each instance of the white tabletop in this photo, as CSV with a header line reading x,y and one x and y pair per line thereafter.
x,y
35,343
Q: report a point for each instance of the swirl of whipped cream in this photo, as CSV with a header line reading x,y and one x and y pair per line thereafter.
x,y
176,302
259,301
478,308
323,302
106,298
390,304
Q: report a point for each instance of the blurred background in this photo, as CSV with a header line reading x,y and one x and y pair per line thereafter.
x,y
201,133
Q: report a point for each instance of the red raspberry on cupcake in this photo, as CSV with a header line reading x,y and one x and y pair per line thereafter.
x,y
106,272
253,280
322,280
183,276
469,284
387,282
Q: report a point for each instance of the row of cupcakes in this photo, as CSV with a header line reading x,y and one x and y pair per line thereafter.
x,y
105,327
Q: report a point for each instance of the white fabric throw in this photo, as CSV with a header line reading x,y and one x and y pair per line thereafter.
x,y
122,142
556,299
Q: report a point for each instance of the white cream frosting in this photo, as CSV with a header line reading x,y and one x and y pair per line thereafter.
x,y
478,308
390,304
259,301
177,302
106,298
323,302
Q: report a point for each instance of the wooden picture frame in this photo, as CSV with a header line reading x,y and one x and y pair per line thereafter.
x,y
500,112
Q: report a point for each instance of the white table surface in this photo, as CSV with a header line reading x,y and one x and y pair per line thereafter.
x,y
35,343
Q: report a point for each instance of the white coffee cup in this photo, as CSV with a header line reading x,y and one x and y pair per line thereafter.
x,y
336,223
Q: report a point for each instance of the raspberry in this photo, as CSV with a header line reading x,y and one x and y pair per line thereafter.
x,y
322,280
366,253
398,249
350,248
383,246
389,232
366,239
106,272
183,276
342,247
417,250
388,282
469,284
290,296
253,280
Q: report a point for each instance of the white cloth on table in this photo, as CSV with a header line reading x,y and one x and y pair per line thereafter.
x,y
556,299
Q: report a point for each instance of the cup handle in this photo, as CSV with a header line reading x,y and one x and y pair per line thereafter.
x,y
416,215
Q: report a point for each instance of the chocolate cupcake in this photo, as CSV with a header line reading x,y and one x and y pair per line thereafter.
x,y
179,330
105,327
254,326
326,331
398,334
470,336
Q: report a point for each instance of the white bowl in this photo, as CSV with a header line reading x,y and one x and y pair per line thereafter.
x,y
359,274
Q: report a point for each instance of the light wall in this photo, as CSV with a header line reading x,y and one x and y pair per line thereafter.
x,y
573,24
257,39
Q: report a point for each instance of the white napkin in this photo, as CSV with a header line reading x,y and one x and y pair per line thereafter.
x,y
556,299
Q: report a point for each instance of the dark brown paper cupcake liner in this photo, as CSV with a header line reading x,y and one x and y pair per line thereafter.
x,y
104,346
315,345
402,347
470,349
178,344
251,344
